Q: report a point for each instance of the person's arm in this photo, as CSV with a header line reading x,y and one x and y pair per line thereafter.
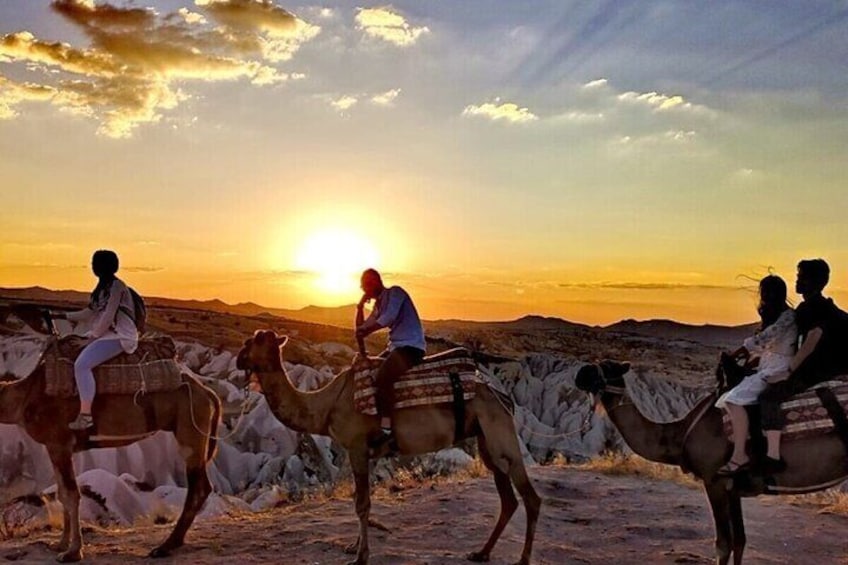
x,y
360,319
806,349
76,316
759,341
108,316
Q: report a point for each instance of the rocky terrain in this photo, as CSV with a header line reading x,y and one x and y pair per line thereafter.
x,y
262,465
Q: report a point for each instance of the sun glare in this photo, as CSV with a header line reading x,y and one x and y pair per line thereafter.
x,y
337,258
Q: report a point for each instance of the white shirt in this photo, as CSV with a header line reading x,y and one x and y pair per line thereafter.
x,y
106,319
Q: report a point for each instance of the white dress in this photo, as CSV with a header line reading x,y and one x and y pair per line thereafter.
x,y
775,347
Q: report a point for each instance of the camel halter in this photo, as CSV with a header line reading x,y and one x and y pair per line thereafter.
x,y
623,398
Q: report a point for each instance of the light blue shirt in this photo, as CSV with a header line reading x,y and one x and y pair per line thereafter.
x,y
394,310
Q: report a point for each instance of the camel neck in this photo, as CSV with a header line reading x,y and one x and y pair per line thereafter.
x,y
659,442
13,397
300,411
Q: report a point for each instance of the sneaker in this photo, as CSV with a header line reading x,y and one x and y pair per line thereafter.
x,y
383,440
82,423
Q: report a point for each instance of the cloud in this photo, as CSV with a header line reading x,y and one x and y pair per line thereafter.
x,y
598,83
387,25
507,111
138,62
658,102
343,103
386,98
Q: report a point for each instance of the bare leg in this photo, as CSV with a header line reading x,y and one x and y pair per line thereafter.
x,y
362,496
720,505
739,421
773,439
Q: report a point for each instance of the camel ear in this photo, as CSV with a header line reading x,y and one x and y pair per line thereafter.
x,y
282,341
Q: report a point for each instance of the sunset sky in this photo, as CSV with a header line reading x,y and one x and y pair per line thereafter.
x,y
593,160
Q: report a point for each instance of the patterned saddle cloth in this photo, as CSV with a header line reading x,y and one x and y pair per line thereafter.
x,y
804,413
151,368
426,383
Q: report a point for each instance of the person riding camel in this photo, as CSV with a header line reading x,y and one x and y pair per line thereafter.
x,y
109,319
393,309
823,353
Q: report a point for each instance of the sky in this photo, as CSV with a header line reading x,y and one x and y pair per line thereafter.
x,y
592,160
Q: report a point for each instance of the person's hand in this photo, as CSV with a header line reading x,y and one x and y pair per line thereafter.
x,y
363,301
778,377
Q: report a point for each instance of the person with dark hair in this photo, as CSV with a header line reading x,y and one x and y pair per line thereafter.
x,y
109,319
393,309
774,345
823,353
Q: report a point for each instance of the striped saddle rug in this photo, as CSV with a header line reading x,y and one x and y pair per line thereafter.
x,y
427,383
805,415
151,368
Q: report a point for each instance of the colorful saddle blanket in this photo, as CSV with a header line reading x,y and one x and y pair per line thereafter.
x,y
426,383
805,415
151,368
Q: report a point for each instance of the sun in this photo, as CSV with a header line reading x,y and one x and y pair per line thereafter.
x,y
336,257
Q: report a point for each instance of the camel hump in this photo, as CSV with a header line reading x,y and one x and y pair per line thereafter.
x,y
151,368
439,379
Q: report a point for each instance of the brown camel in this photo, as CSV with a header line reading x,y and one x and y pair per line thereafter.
x,y
698,444
330,411
120,421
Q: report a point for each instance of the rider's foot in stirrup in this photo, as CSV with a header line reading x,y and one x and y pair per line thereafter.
x,y
382,442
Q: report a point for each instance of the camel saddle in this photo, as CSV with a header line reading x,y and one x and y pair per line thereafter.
x,y
813,411
449,377
151,368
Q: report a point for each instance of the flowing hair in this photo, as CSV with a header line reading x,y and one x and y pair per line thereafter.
x,y
773,301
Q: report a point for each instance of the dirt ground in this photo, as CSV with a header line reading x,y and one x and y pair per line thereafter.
x,y
587,517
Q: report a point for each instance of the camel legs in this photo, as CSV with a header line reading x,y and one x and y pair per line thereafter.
x,y
737,524
503,455
70,545
362,497
721,507
508,504
199,488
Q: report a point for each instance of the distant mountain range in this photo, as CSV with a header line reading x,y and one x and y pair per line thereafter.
x,y
343,316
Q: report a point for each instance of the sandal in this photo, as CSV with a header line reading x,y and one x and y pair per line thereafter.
x,y
733,468
82,423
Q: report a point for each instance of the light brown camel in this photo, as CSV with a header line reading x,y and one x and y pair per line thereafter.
x,y
330,411
119,422
698,444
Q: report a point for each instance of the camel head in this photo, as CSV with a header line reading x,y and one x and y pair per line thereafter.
x,y
261,353
594,378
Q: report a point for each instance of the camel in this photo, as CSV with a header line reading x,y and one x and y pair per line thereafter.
x,y
191,413
330,411
698,444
